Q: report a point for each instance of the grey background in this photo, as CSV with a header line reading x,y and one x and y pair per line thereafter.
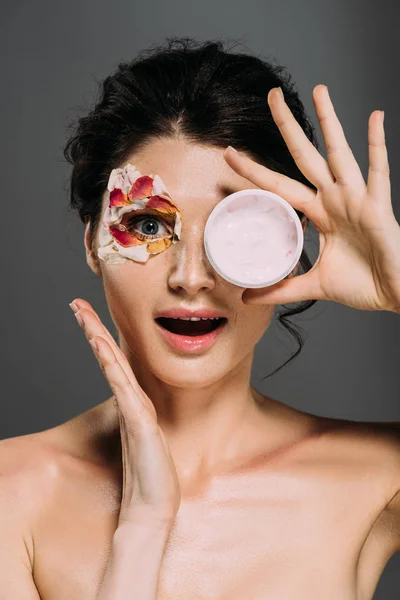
x,y
51,54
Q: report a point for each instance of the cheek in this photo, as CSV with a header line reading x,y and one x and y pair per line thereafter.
x,y
132,283
124,288
253,322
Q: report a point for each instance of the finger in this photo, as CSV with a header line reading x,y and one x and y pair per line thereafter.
x,y
295,289
378,172
92,327
310,162
299,196
80,304
120,384
340,157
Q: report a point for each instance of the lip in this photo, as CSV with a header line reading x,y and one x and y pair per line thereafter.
x,y
184,313
190,343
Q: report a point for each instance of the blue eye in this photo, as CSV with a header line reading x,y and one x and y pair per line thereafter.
x,y
151,225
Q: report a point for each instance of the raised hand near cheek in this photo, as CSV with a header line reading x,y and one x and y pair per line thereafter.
x,y
359,259
150,484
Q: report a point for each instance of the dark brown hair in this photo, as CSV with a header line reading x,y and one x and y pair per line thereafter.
x,y
200,90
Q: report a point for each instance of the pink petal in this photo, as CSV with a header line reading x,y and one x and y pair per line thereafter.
x,y
163,205
125,238
118,198
142,188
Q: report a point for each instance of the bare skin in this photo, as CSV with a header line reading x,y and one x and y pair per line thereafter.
x,y
303,515
276,503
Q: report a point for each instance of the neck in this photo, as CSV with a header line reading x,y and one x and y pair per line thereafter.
x,y
207,427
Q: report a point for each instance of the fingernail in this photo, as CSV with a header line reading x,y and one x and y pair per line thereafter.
x,y
280,89
383,115
80,320
234,149
74,307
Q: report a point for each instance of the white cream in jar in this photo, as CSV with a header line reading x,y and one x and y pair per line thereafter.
x,y
253,238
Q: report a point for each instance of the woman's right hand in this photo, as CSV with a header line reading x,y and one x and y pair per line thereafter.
x,y
150,483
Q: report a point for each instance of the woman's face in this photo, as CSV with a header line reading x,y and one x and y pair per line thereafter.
x,y
197,178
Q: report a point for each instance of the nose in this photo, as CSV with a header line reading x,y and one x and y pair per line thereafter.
x,y
191,271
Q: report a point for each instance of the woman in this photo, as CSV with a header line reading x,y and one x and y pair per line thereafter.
x,y
187,483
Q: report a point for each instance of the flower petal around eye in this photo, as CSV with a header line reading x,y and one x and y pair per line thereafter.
x,y
136,253
116,179
118,198
114,214
125,238
163,205
178,227
105,236
142,188
131,174
123,178
157,246
159,188
110,255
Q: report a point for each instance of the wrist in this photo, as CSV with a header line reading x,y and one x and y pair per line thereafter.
x,y
128,530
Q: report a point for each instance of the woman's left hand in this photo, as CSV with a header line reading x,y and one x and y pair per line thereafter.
x,y
359,260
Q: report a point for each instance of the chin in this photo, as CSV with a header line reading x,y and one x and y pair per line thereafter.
x,y
193,372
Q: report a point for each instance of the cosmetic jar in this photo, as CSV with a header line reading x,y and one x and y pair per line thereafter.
x,y
253,238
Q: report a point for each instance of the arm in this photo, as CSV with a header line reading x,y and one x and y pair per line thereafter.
x,y
16,578
134,565
392,508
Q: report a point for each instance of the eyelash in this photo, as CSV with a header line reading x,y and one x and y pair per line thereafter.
x,y
149,236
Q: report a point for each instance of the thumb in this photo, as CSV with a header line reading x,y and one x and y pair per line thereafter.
x,y
294,289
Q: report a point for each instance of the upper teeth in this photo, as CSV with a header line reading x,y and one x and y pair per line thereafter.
x,y
195,318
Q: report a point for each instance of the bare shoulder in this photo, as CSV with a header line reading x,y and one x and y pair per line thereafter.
x,y
35,466
369,453
383,439
32,465
27,469
370,445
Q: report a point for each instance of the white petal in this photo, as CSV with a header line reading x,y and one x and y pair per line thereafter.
x,y
116,179
140,203
123,178
110,256
105,236
136,253
177,227
131,174
108,216
115,213
159,188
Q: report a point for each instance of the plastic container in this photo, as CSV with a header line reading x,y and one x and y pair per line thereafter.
x,y
253,238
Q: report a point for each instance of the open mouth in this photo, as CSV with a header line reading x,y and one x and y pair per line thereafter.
x,y
191,328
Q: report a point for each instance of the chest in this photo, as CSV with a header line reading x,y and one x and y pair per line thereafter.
x,y
265,536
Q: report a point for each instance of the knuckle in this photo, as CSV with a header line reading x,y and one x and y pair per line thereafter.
x,y
325,185
335,148
110,361
323,118
281,122
124,360
376,144
84,312
379,169
121,387
277,185
297,153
